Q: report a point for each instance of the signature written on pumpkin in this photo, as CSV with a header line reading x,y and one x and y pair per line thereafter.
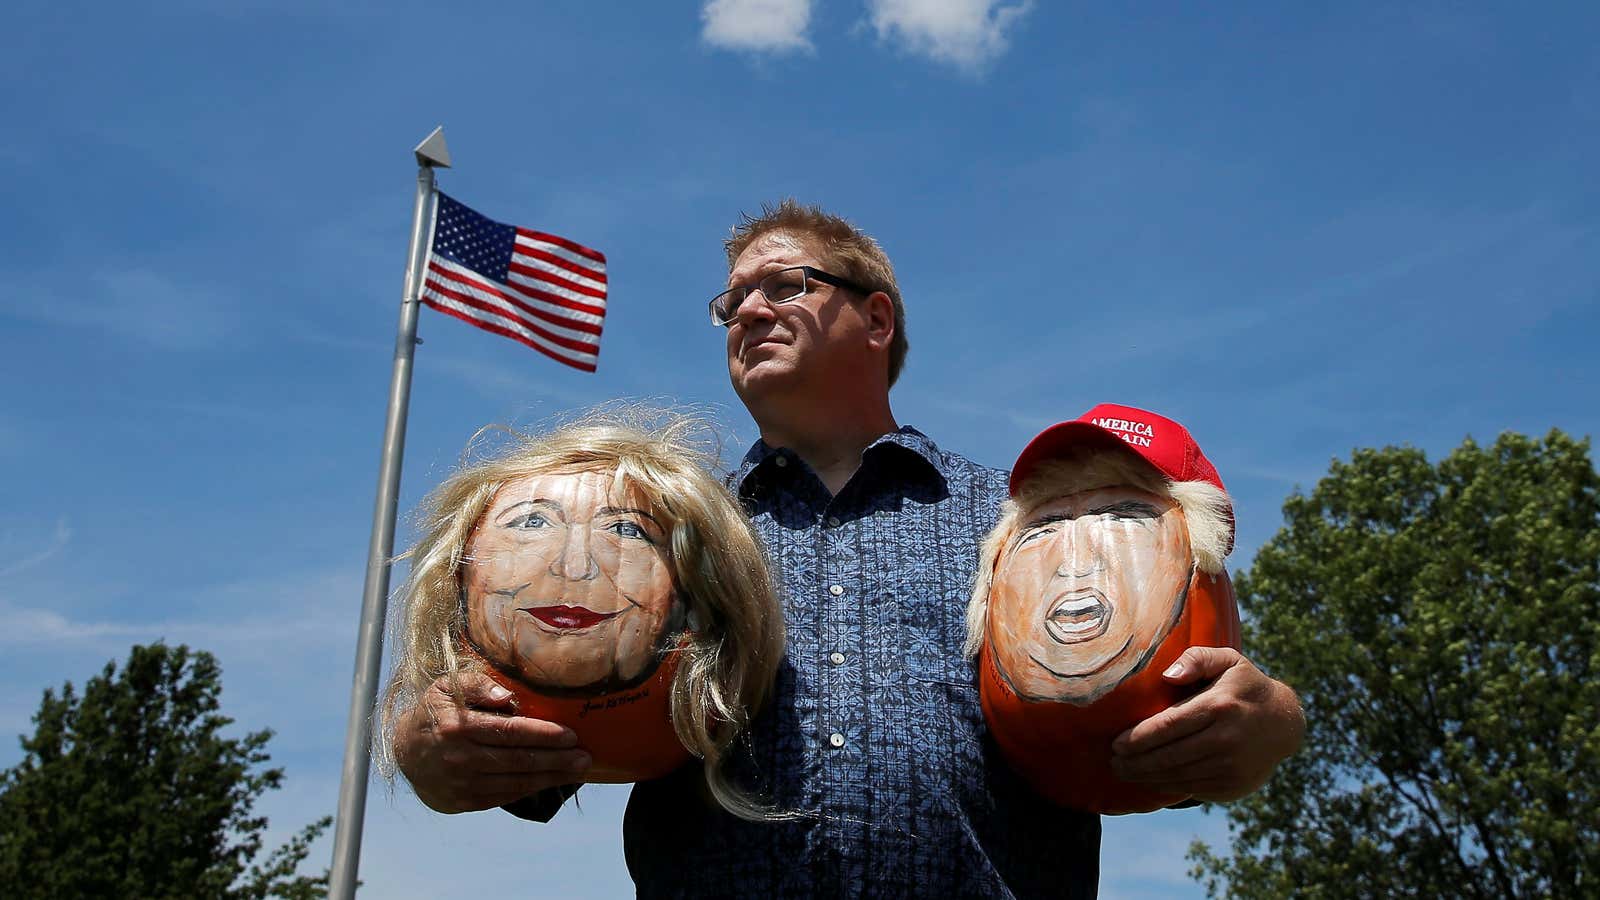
x,y
613,702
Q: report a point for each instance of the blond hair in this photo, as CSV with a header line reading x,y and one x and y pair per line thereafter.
x,y
1207,513
728,661
848,252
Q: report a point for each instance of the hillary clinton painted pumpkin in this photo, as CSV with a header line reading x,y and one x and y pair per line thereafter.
x,y
570,601
611,583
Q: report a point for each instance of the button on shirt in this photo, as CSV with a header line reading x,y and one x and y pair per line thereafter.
x,y
874,739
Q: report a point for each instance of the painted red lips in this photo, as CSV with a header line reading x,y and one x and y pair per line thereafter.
x,y
568,617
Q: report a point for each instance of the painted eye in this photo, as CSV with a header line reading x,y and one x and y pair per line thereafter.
x,y
1037,531
529,522
628,530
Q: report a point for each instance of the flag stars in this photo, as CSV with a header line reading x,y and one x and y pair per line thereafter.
x,y
465,237
470,277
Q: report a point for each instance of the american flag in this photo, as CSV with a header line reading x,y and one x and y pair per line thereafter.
x,y
545,291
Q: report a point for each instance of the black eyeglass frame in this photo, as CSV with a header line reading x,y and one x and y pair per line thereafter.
x,y
809,272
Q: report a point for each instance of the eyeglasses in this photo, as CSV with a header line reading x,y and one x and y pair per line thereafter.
x,y
782,286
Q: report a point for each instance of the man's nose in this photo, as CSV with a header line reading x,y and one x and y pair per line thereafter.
x,y
754,307
1080,549
575,562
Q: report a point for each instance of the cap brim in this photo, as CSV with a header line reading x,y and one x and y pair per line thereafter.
x,y
1056,440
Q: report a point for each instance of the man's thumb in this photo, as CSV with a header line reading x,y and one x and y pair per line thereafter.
x,y
1200,664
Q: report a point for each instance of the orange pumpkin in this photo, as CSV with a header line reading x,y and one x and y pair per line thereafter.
x,y
1064,749
628,733
569,594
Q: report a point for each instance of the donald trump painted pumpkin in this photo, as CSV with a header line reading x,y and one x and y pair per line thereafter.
x,y
1107,564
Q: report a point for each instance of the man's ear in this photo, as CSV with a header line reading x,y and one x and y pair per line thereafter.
x,y
880,320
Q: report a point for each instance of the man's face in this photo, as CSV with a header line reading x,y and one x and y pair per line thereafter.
x,y
568,585
809,344
1085,591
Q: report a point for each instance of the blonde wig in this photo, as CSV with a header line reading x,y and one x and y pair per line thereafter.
x,y
846,251
1207,512
731,654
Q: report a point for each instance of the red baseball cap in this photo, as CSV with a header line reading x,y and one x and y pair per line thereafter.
x,y
1157,439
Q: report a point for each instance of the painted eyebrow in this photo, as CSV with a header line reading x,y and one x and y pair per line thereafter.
x,y
540,501
1027,528
1125,506
1046,520
618,510
1130,506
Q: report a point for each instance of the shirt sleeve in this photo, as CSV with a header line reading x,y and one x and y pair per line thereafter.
x,y
543,806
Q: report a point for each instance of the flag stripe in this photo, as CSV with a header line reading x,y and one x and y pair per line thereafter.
x,y
555,265
585,337
511,328
584,363
587,256
543,291
574,315
560,256
539,278
486,312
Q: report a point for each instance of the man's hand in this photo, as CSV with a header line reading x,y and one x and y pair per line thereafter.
x,y
484,755
1219,744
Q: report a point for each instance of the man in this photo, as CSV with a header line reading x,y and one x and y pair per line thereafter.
x,y
875,740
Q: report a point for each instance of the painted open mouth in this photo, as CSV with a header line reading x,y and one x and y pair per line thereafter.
x,y
568,618
1078,615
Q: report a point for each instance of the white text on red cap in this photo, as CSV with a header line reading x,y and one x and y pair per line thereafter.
x,y
1137,433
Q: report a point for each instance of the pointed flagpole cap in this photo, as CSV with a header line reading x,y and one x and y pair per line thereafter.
x,y
432,151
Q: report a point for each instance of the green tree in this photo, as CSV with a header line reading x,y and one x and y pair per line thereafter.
x,y
132,791
1442,625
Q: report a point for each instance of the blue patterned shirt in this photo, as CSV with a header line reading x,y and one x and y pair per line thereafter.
x,y
875,734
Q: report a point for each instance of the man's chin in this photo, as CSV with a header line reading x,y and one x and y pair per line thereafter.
x,y
761,379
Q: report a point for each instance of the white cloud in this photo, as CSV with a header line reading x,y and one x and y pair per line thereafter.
x,y
492,379
20,625
1142,857
579,852
300,610
764,25
138,303
57,542
965,33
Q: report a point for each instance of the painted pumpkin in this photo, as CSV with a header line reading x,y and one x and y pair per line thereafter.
x,y
570,602
1063,749
1106,566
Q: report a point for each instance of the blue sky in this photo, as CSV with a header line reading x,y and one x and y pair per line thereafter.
x,y
1298,232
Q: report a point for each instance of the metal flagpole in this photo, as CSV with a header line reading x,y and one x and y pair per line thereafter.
x,y
430,153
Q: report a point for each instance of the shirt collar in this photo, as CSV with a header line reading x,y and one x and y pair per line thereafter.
x,y
907,442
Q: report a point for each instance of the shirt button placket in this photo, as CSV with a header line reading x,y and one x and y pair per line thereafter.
x,y
834,674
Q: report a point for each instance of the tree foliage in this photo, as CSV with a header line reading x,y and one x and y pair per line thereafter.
x,y
133,791
1442,625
